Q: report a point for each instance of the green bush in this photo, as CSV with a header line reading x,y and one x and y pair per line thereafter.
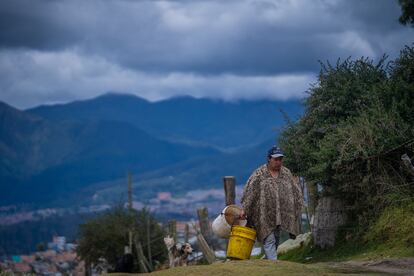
x,y
108,234
358,121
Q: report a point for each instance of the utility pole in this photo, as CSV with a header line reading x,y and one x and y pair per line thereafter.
x,y
130,209
149,243
129,191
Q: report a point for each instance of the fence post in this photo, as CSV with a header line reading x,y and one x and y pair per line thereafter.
x,y
205,248
204,223
142,261
230,189
186,233
173,229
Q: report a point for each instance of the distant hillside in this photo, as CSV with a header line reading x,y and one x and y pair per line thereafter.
x,y
184,119
22,140
43,160
55,153
204,172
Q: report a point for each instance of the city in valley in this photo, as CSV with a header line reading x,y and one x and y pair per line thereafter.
x,y
59,254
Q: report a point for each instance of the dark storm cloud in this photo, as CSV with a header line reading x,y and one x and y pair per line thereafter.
x,y
207,37
36,25
70,49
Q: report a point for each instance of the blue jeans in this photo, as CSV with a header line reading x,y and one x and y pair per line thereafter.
x,y
270,244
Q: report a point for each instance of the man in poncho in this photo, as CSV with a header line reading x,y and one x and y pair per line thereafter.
x,y
272,201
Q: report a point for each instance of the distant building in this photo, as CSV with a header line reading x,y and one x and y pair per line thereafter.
x,y
48,253
70,247
16,259
164,196
58,243
27,258
22,268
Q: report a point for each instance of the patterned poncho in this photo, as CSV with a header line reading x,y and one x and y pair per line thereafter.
x,y
271,201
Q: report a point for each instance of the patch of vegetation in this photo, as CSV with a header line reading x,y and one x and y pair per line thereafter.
x,y
107,235
390,236
393,231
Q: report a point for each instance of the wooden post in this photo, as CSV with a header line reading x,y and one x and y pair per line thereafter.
x,y
207,251
186,233
230,189
229,193
173,229
204,223
142,262
149,243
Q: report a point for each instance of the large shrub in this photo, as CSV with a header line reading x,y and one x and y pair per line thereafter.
x,y
358,121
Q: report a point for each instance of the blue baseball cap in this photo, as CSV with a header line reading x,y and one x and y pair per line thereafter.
x,y
275,152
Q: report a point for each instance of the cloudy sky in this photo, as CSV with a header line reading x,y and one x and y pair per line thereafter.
x,y
58,51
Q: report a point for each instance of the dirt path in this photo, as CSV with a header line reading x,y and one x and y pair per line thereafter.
x,y
401,266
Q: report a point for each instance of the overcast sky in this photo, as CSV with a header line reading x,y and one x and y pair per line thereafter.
x,y
58,51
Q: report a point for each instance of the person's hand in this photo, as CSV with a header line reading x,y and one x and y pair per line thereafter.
x,y
242,215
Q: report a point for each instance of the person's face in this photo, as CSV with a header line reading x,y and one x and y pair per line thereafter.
x,y
275,163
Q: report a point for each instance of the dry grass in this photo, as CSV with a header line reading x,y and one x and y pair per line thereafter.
x,y
255,268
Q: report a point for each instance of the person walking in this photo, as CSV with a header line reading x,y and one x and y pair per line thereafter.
x,y
272,201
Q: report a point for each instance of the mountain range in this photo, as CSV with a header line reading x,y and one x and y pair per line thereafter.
x,y
63,154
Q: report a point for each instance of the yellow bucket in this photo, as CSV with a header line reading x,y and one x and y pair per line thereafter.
x,y
241,242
